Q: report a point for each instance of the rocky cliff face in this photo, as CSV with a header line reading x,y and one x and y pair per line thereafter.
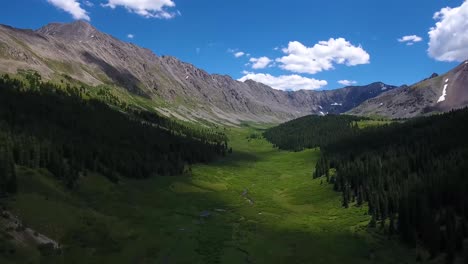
x,y
434,94
86,54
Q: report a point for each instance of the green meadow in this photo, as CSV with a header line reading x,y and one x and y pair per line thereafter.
x,y
373,123
257,205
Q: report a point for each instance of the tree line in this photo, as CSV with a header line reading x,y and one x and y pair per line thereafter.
x,y
62,129
312,131
411,175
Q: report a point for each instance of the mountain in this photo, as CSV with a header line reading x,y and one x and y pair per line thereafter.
x,y
82,52
434,94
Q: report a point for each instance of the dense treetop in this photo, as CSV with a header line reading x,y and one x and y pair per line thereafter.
x,y
62,129
312,131
412,175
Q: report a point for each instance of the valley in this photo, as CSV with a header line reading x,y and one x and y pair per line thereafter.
x,y
292,218
279,133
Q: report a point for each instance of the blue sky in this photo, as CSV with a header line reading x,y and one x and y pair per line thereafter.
x,y
357,41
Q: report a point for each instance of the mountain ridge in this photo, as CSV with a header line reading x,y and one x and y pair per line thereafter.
x,y
86,54
438,93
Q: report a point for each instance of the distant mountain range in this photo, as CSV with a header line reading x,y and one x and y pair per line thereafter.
x,y
435,94
81,51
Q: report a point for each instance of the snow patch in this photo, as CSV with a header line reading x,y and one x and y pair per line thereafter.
x,y
337,104
186,77
381,104
444,94
322,113
383,87
446,81
320,107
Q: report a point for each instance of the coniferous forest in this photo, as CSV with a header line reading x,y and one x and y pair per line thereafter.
x,y
411,175
46,125
312,131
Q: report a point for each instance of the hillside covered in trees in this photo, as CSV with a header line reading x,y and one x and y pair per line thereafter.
x,y
63,129
411,175
312,131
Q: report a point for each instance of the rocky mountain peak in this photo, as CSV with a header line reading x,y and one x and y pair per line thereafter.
x,y
77,29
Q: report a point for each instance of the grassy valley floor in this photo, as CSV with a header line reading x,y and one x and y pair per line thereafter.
x,y
258,205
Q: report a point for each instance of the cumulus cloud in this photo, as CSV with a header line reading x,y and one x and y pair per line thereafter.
x,y
72,7
347,82
146,8
260,63
285,82
448,39
130,36
410,40
239,54
322,56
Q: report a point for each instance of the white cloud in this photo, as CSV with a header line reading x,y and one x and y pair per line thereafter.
x,y
88,3
239,54
285,82
322,56
410,40
130,36
72,7
146,8
260,63
448,39
347,82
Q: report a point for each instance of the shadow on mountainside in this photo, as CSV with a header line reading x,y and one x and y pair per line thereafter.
x,y
121,77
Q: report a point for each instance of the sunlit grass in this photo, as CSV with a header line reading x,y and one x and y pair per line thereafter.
x,y
372,123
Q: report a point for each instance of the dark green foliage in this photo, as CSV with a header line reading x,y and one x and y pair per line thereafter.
x,y
204,134
7,168
323,169
254,135
412,175
414,172
43,125
312,131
